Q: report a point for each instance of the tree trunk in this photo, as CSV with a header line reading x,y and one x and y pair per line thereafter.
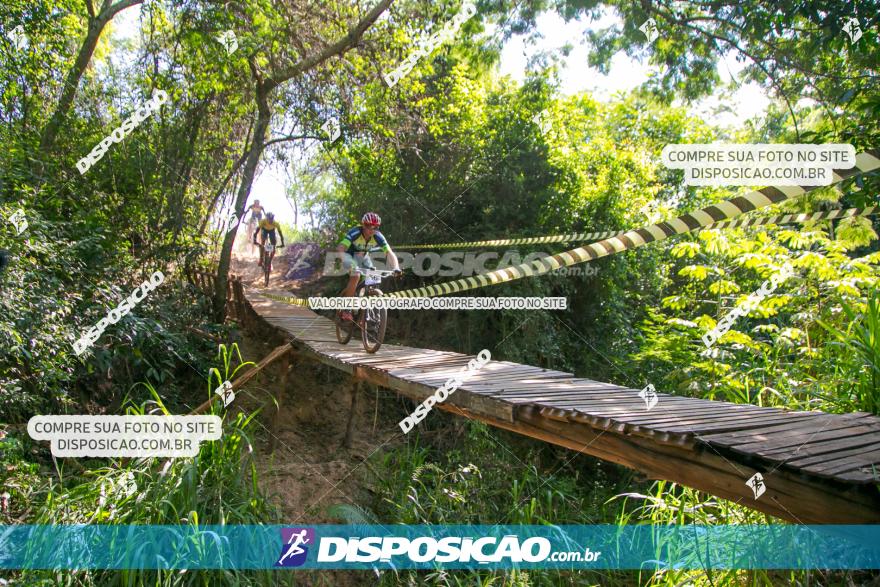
x,y
97,22
264,88
68,92
254,153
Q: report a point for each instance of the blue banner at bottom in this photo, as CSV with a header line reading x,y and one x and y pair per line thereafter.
x,y
447,547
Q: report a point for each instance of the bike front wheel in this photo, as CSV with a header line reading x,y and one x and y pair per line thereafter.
x,y
267,268
374,322
344,329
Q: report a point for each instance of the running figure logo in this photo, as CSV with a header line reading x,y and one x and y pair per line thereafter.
x,y
228,40
649,28
294,549
331,129
852,28
649,394
18,39
757,485
19,221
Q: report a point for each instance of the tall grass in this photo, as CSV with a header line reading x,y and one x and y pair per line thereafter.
x,y
859,358
216,487
491,477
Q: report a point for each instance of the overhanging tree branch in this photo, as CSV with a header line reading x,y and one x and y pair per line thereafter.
x,y
337,48
96,24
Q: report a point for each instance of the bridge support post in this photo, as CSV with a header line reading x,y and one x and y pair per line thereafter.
x,y
240,308
284,364
349,429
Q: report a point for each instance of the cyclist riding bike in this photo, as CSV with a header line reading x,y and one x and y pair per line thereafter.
x,y
355,245
256,211
268,226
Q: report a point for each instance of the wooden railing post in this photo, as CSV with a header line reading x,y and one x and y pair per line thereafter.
x,y
277,353
240,308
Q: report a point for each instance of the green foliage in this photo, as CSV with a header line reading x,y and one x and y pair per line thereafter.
x,y
452,152
492,477
858,362
216,487
779,353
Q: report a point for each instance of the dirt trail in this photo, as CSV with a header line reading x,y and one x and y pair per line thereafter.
x,y
310,471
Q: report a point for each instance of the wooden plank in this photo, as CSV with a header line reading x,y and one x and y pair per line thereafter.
x,y
629,406
566,395
737,424
706,414
746,436
865,474
809,448
301,328
403,363
239,382
797,499
861,456
854,464
511,374
692,424
817,436
528,387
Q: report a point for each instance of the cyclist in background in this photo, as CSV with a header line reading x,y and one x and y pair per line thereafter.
x,y
355,245
256,211
268,226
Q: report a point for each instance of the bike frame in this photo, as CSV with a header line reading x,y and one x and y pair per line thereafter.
x,y
267,254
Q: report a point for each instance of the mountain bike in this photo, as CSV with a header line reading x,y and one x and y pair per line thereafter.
x,y
267,253
371,321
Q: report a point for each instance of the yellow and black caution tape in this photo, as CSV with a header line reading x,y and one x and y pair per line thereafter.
x,y
868,161
591,236
797,218
556,238
293,301
709,217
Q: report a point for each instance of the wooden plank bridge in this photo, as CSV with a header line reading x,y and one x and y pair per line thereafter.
x,y
817,468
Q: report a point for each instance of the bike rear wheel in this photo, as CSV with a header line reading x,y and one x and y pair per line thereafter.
x,y
373,323
344,329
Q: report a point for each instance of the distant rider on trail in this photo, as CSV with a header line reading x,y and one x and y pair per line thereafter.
x,y
256,211
268,226
354,246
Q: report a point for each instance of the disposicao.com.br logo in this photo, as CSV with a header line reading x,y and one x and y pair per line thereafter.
x,y
401,546
295,546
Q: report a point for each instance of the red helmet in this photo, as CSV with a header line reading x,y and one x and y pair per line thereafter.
x,y
371,218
